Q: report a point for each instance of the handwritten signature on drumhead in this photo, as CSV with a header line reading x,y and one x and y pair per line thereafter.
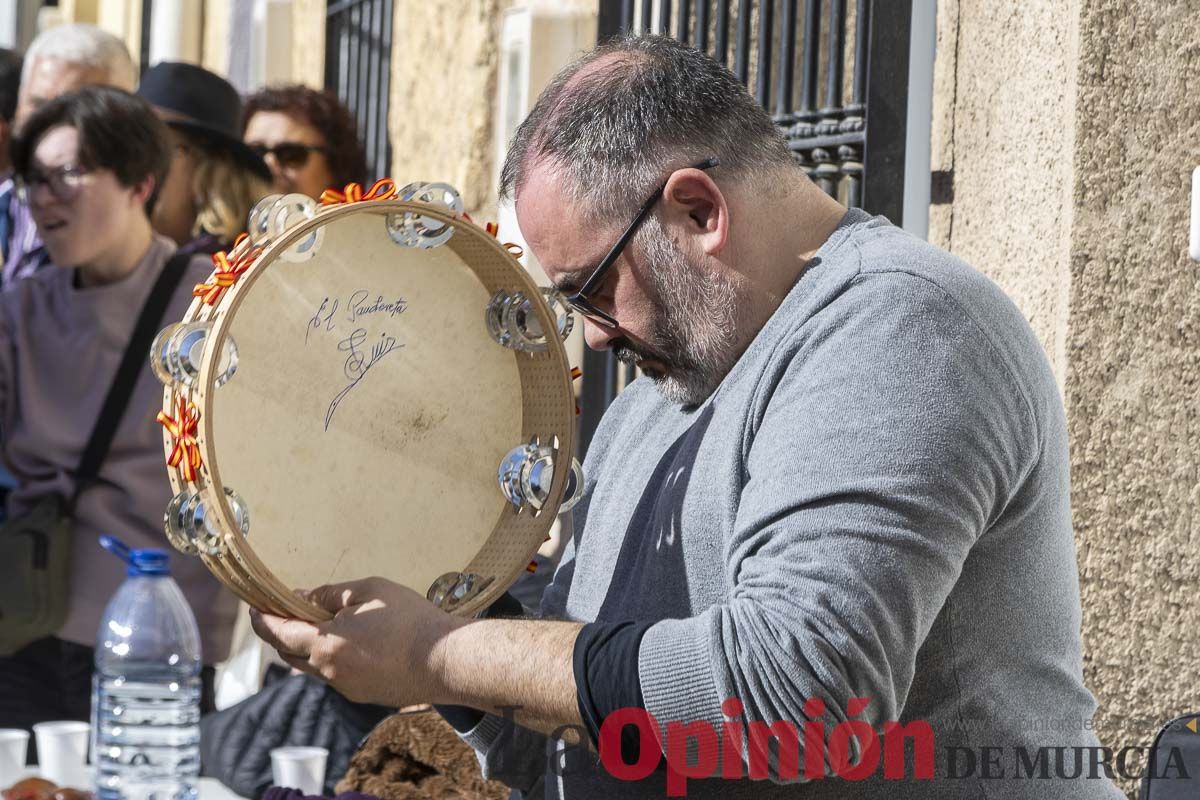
x,y
359,363
363,350
357,306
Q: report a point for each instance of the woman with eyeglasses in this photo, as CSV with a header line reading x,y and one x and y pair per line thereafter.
x,y
214,179
90,164
307,137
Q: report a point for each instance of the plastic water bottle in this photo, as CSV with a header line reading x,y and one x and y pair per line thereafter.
x,y
146,687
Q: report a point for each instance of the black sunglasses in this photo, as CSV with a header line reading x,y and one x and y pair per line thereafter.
x,y
579,300
291,155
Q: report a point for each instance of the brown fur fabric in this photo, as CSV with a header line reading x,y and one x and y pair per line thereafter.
x,y
417,756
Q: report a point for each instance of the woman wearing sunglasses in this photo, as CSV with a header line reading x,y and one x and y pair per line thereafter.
x,y
307,137
90,164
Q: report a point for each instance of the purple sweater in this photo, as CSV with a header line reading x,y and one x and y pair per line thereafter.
x,y
59,349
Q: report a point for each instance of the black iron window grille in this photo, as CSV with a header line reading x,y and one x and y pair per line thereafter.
x,y
358,56
144,36
843,109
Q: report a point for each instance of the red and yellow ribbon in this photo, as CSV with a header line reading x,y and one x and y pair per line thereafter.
x,y
186,452
382,189
229,267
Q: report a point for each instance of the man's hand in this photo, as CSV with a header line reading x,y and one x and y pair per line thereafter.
x,y
388,645
382,646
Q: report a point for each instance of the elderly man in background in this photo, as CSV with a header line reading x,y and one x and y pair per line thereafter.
x,y
10,84
60,60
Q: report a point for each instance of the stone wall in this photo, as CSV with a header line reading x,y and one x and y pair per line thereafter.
x,y
1007,133
444,72
1071,134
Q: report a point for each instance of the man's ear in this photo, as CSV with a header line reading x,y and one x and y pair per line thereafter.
x,y
694,203
143,190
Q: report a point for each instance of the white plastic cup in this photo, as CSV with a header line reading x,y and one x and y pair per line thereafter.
x,y
14,752
300,768
62,753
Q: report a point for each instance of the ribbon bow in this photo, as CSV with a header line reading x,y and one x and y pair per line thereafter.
x,y
229,267
183,430
382,189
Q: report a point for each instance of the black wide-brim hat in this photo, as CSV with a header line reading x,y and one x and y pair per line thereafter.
x,y
201,103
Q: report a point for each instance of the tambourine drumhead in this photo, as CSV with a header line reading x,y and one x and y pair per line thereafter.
x,y
369,410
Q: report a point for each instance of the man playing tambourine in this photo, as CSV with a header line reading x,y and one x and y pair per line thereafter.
x,y
835,510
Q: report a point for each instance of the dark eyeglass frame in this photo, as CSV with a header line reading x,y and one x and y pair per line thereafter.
x,y
56,180
297,147
578,301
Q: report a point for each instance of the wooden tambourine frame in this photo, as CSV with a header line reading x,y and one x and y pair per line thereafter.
x,y
547,412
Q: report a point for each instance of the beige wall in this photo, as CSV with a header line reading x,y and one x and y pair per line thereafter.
x,y
79,10
445,62
443,85
1006,130
1071,133
214,47
124,19
308,32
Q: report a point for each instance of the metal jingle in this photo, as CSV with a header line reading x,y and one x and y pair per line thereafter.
x,y
511,470
521,321
493,317
203,528
288,212
410,191
526,474
453,589
440,193
197,528
239,510
512,321
159,355
536,477
564,318
183,353
258,224
573,492
398,229
174,526
427,232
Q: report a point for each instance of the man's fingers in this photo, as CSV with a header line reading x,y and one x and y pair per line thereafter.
x,y
288,636
300,663
336,596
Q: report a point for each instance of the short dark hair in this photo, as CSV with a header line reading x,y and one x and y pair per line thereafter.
x,y
118,131
10,82
322,110
652,105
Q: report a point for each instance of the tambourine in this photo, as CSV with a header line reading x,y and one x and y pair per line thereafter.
x,y
369,387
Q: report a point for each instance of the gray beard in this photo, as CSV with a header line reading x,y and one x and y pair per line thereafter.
x,y
695,336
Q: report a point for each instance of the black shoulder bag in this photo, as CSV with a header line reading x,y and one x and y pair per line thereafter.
x,y
35,548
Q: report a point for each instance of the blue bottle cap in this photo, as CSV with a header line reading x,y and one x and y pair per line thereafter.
x,y
147,561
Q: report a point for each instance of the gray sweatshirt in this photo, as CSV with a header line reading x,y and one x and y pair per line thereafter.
x,y
874,504
59,350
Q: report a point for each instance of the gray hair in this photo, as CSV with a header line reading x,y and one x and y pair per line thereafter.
x,y
87,46
616,120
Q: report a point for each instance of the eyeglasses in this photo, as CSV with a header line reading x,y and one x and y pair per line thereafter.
x,y
64,182
579,300
290,155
